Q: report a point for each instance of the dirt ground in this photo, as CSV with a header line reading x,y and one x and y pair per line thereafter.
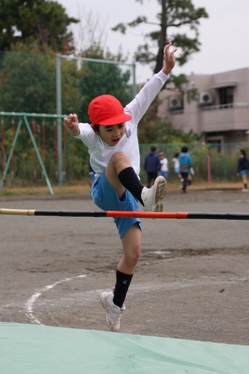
x,y
190,283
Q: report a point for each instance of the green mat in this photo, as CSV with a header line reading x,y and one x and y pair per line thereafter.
x,y
38,349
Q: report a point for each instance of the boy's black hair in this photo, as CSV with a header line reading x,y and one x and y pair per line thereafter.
x,y
184,149
243,152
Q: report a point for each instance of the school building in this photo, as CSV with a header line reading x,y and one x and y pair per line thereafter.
x,y
220,110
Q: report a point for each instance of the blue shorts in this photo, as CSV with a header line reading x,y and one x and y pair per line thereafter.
x,y
106,198
177,170
91,175
164,174
244,172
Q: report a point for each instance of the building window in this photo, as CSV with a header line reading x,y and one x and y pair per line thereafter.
x,y
226,97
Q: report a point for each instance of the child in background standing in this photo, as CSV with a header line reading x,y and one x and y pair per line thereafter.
x,y
152,166
164,165
176,165
242,169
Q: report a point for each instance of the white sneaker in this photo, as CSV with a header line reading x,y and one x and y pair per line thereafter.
x,y
245,190
153,197
113,312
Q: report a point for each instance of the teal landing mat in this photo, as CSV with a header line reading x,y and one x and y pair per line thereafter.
x,y
39,349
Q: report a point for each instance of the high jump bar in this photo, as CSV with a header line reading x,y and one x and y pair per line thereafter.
x,y
125,214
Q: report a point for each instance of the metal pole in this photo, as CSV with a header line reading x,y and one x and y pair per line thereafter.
x,y
59,122
126,214
11,153
134,87
209,169
38,155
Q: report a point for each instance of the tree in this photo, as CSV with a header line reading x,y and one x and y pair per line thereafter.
x,y
27,83
173,15
43,21
177,21
98,78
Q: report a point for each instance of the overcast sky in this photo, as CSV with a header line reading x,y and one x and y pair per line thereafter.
x,y
223,36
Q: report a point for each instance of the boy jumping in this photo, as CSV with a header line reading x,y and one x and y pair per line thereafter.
x,y
112,143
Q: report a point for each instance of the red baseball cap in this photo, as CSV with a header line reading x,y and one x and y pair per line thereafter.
x,y
106,110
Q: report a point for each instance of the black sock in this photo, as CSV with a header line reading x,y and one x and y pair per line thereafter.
x,y
122,284
245,186
130,180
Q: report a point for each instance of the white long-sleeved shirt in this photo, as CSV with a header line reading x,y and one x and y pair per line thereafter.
x,y
164,164
100,152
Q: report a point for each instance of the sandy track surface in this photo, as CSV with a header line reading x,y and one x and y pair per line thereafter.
x,y
191,281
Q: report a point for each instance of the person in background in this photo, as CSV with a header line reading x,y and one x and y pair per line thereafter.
x,y
164,165
242,169
186,164
176,165
152,166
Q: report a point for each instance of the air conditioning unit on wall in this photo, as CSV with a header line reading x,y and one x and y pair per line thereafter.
x,y
175,103
205,99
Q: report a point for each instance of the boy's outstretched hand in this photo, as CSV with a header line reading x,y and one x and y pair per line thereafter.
x,y
71,124
169,59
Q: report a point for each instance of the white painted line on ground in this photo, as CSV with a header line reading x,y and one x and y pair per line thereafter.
x,y
31,301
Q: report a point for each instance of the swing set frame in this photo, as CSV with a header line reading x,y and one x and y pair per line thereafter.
x,y
23,120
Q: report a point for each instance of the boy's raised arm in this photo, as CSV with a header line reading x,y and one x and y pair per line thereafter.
x,y
169,59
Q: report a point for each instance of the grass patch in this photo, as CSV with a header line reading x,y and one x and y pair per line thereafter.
x,y
75,189
84,188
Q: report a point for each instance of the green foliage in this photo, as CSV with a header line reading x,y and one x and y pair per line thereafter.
x,y
43,21
27,83
162,131
28,78
71,94
153,129
76,160
98,78
26,168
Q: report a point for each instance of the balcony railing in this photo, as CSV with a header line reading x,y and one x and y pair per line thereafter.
x,y
225,106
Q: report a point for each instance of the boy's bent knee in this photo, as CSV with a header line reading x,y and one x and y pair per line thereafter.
x,y
119,161
120,157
